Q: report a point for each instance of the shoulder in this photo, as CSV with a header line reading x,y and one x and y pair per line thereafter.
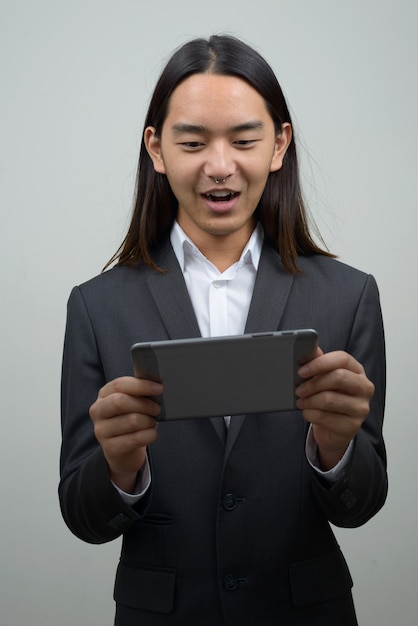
x,y
324,275
119,279
316,271
108,290
331,269
115,278
312,266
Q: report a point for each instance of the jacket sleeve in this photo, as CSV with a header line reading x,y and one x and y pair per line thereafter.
x,y
92,508
362,488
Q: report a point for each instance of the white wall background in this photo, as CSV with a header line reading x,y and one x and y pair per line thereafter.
x,y
75,82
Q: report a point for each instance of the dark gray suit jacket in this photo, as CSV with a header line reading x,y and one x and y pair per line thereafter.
x,y
235,529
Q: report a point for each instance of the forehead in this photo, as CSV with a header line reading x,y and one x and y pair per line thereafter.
x,y
213,99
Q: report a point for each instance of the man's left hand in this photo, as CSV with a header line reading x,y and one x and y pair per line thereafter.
x,y
335,400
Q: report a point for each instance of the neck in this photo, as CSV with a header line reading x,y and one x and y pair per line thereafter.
x,y
221,250
222,259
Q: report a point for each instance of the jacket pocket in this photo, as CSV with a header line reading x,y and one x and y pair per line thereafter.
x,y
156,519
145,589
320,579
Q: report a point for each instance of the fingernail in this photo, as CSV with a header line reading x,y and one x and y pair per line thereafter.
x,y
303,371
301,390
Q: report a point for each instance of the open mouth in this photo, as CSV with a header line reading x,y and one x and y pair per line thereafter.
x,y
221,196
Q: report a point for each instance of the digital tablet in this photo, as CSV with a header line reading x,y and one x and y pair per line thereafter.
x,y
232,375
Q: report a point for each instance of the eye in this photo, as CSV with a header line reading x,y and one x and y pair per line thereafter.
x,y
192,145
245,143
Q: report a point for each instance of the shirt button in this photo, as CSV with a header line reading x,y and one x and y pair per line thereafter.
x,y
230,582
216,284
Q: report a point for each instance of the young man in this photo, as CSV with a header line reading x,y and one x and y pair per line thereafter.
x,y
223,521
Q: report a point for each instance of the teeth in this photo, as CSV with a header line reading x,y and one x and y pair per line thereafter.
x,y
219,194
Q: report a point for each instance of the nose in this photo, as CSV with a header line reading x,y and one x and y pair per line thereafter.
x,y
219,161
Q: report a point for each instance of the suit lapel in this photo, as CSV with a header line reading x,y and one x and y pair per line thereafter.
x,y
170,294
271,292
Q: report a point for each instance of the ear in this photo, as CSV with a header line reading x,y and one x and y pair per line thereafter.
x,y
281,145
153,146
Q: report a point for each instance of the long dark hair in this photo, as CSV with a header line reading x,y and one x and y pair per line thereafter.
x,y
281,209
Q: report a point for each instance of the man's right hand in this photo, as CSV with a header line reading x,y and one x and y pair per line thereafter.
x,y
124,424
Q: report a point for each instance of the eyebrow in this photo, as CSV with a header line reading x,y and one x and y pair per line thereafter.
x,y
200,129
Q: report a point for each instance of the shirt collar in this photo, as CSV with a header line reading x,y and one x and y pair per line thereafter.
x,y
182,244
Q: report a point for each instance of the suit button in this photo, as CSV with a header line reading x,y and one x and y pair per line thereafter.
x,y
229,502
230,582
348,498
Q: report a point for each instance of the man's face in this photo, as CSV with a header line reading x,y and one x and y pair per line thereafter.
x,y
217,127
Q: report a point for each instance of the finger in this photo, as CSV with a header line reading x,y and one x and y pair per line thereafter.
x,y
340,380
333,404
125,444
328,362
131,386
124,425
118,404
